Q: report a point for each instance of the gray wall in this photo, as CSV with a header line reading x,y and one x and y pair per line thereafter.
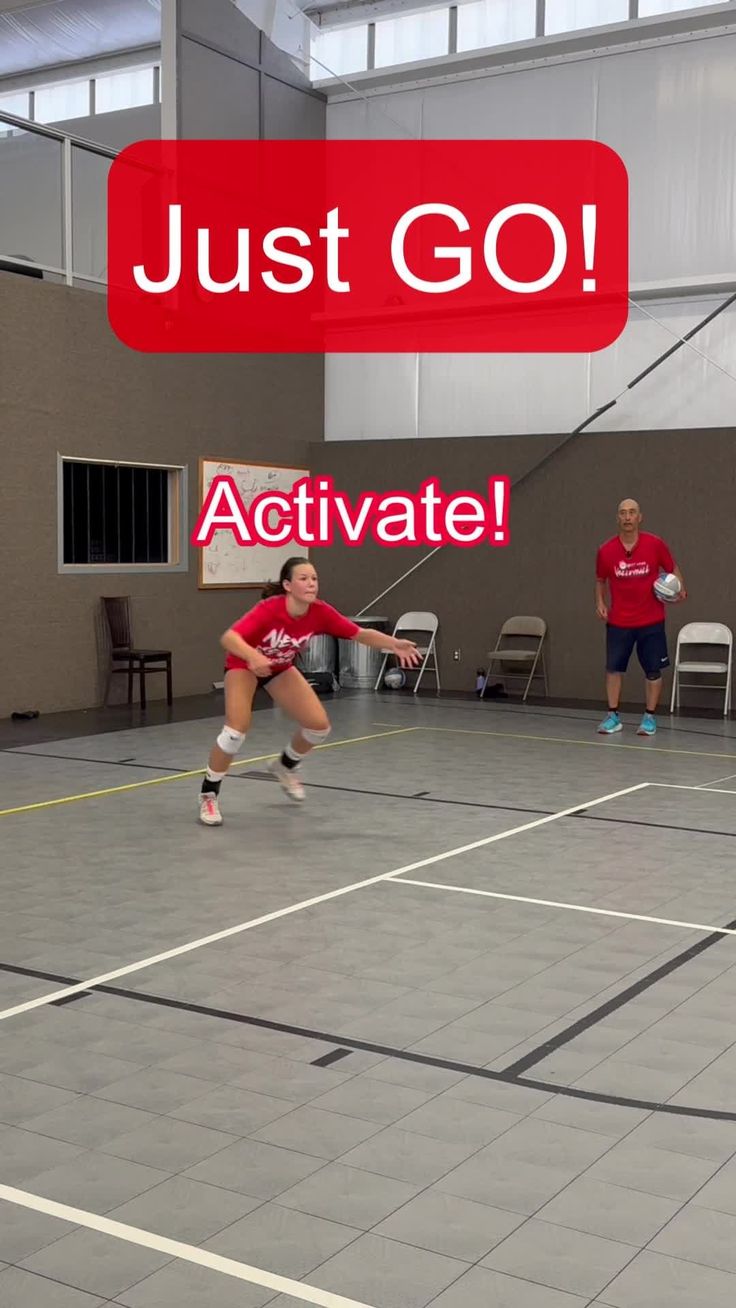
x,y
235,84
662,110
559,515
119,128
68,386
30,188
30,199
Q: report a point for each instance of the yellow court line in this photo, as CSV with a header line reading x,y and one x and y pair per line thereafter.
x,y
197,772
562,740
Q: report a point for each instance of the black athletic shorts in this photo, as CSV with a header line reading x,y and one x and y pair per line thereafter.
x,y
651,648
262,681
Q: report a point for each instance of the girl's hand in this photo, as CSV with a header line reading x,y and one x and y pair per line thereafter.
x,y
259,664
407,653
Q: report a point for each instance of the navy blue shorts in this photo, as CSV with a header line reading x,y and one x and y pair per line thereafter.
x,y
651,649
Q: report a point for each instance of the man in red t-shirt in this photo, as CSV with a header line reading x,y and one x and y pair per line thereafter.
x,y
629,564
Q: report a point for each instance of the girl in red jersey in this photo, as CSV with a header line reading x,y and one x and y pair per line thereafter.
x,y
261,649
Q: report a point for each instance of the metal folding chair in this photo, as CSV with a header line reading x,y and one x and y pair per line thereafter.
x,y
520,627
417,626
703,633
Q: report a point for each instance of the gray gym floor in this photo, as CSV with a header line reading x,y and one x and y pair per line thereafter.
x,y
409,1067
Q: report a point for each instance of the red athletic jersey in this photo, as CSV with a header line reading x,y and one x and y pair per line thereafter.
x,y
631,576
271,630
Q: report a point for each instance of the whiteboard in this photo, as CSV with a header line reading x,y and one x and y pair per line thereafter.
x,y
225,563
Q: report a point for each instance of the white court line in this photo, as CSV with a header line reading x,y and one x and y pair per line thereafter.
x,y
717,781
114,975
187,1252
670,785
576,908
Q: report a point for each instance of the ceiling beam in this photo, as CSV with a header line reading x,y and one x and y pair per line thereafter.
x,y
74,69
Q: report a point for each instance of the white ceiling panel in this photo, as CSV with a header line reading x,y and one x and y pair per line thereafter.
x,y
43,33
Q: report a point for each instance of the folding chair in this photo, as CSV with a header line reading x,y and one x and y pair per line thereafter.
x,y
419,625
534,629
703,633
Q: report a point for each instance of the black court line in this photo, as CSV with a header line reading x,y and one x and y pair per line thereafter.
x,y
333,1057
516,710
30,752
657,826
391,794
425,797
71,999
543,1051
387,1051
422,795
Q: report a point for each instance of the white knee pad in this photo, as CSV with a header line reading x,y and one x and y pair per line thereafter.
x,y
315,737
230,741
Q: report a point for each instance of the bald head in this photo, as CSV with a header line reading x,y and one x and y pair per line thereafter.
x,y
629,518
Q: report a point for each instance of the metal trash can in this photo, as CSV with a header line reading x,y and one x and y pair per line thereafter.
x,y
319,655
358,665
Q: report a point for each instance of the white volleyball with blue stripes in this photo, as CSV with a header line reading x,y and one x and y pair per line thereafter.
x,y
667,587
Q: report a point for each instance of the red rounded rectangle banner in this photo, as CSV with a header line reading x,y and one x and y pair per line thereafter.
x,y
371,246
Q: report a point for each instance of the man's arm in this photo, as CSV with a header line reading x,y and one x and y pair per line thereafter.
x,y
668,563
683,592
601,607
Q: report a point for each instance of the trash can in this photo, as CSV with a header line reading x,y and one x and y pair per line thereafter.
x,y
358,665
319,655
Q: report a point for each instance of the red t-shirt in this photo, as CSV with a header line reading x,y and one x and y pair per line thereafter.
x,y
631,577
271,630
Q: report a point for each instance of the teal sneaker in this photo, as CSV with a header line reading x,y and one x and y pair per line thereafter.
x,y
647,726
610,724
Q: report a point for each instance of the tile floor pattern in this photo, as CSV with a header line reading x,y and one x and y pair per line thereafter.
x,y
398,1183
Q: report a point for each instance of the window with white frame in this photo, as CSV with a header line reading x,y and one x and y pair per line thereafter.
x,y
118,514
339,51
480,24
124,90
17,103
412,36
571,15
54,104
484,23
648,8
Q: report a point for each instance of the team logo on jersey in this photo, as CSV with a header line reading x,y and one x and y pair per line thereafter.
x,y
280,647
628,570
